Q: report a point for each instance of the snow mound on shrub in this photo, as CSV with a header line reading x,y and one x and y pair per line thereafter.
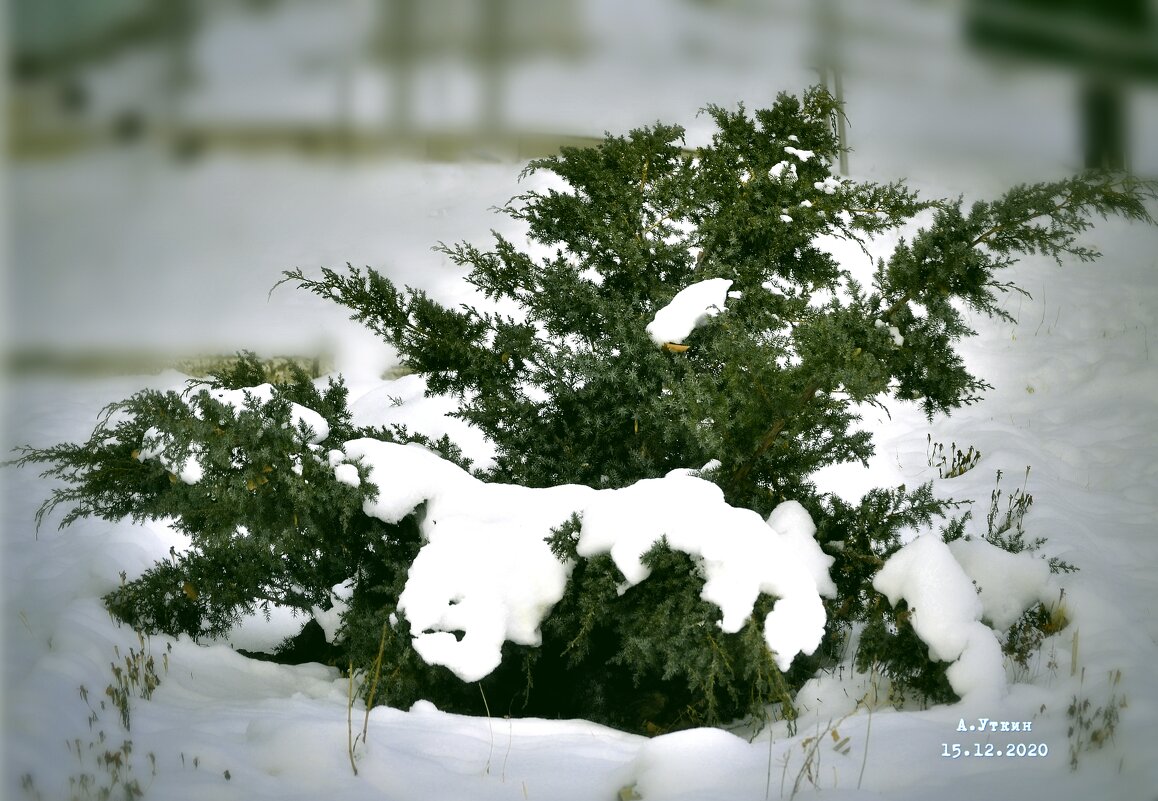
x,y
739,558
487,575
1007,583
949,589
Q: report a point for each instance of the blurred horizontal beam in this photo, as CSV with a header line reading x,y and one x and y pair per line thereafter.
x,y
320,140
1092,37
104,363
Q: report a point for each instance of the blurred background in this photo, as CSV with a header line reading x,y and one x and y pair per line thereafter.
x,y
166,161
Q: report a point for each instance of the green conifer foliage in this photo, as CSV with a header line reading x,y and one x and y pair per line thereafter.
x,y
563,377
266,520
572,388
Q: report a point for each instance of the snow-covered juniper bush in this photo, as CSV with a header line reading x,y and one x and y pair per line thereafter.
x,y
573,387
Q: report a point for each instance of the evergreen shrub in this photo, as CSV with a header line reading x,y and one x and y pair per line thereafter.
x,y
564,378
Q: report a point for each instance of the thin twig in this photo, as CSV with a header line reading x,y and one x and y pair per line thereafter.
x,y
867,733
490,726
769,438
374,681
350,720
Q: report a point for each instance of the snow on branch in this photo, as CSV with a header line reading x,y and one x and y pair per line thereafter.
x,y
691,307
487,574
188,467
950,589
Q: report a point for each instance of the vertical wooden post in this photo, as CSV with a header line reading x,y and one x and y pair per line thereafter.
x,y
1104,124
841,121
828,63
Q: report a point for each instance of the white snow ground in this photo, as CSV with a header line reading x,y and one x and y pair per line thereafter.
x,y
111,249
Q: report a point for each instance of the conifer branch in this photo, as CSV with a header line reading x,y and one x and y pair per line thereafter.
x,y
740,475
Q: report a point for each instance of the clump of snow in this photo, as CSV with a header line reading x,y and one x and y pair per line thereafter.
x,y
153,446
785,218
794,523
894,332
691,307
946,613
739,557
783,169
979,673
803,155
405,402
347,474
487,574
1008,583
331,619
406,475
828,186
485,571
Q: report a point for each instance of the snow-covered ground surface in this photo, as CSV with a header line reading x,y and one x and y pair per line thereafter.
x,y
119,249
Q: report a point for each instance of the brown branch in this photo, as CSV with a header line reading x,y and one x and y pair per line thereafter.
x,y
769,439
997,228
